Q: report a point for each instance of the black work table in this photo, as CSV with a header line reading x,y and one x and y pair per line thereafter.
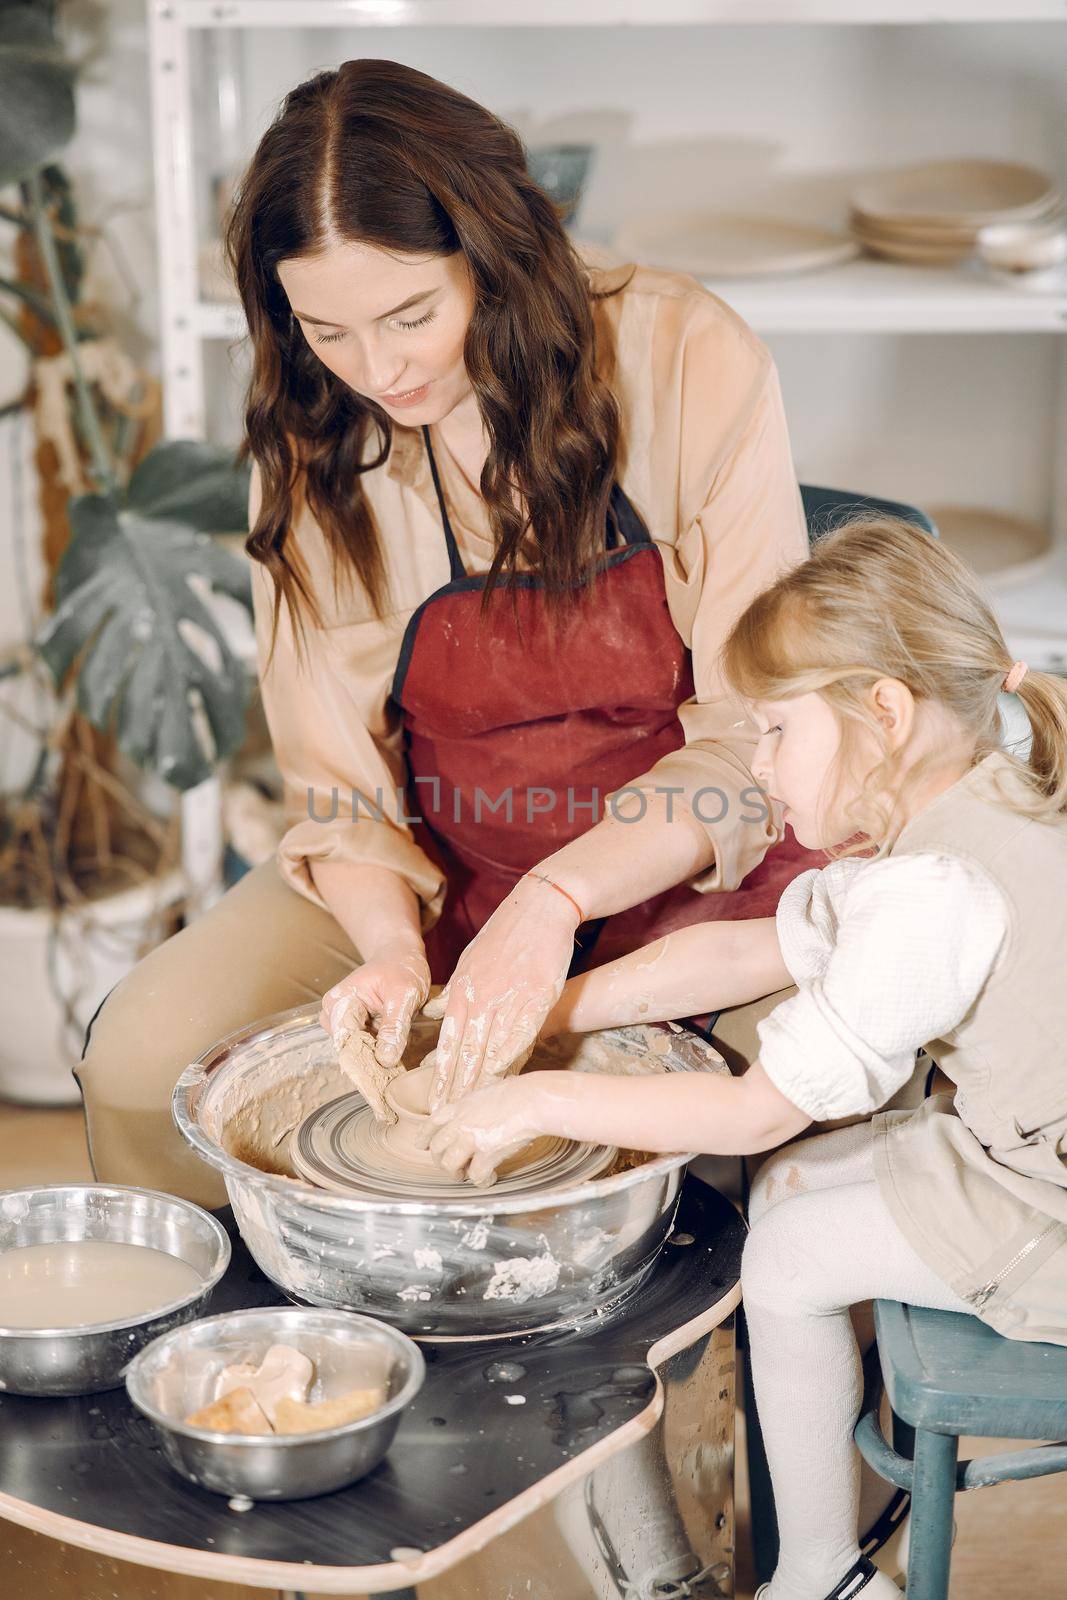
x,y
498,1429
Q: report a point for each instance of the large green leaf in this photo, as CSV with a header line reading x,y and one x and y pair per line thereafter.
x,y
151,660
192,483
36,91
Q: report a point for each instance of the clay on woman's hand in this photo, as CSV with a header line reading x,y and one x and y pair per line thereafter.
x,y
357,1060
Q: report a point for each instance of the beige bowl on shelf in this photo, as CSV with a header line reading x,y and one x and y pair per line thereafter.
x,y
1000,547
959,192
919,255
957,235
938,234
1016,246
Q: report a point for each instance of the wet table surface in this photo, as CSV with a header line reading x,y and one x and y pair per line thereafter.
x,y
492,1421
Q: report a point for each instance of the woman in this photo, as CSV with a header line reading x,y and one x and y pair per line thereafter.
x,y
504,510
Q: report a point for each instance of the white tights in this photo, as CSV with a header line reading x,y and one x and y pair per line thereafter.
x,y
822,1240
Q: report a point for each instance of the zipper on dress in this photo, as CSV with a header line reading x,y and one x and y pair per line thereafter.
x,y
979,1298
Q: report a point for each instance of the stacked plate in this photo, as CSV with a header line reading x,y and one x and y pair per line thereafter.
x,y
935,214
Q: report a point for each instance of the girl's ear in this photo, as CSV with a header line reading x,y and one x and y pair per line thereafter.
x,y
894,706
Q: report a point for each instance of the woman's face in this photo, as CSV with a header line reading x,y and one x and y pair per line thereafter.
x,y
391,327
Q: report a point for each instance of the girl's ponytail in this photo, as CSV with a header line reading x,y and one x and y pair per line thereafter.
x,y
1044,700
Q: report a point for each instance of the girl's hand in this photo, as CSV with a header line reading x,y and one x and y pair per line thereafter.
x,y
505,983
384,993
479,1132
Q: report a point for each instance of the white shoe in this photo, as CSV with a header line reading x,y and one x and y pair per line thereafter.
x,y
864,1580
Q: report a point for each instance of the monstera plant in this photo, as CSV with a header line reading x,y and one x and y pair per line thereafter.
x,y
150,662
149,658
139,665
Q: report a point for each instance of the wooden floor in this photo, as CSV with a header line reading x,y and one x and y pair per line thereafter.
x,y
1011,1545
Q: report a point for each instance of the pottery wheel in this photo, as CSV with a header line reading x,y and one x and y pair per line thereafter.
x,y
343,1147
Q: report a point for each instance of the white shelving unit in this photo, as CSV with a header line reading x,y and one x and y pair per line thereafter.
x,y
786,94
863,296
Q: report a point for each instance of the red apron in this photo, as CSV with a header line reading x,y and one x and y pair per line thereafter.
x,y
516,731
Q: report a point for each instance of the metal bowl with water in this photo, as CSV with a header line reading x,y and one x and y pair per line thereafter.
x,y
93,1357
481,1266
176,1375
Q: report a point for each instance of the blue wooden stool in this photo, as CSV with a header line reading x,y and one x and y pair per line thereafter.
x,y
948,1374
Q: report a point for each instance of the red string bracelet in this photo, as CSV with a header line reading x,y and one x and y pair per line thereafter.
x,y
559,890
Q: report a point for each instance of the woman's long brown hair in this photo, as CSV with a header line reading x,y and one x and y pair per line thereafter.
x,y
379,154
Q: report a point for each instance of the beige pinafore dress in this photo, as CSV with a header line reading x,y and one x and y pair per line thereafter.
x,y
977,1181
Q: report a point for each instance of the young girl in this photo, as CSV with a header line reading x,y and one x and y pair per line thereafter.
x,y
874,672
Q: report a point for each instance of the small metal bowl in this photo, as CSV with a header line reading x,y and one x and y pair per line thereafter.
x,y
176,1375
93,1357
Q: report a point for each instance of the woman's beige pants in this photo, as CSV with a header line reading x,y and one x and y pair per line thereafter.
x,y
262,948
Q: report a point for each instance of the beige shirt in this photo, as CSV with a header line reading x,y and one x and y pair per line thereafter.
x,y
704,457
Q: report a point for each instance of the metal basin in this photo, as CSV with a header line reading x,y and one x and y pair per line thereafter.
x,y
176,1375
89,1359
477,1267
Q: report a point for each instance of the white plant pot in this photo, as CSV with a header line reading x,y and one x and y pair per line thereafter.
x,y
57,969
25,698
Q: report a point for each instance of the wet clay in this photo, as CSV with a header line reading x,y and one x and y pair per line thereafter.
x,y
257,1112
343,1147
254,1119
273,1398
76,1282
355,1055
283,1374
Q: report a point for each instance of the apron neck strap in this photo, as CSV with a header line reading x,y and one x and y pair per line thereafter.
x,y
624,521
454,561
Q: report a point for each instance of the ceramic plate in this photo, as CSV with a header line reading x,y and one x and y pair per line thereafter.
x,y
710,244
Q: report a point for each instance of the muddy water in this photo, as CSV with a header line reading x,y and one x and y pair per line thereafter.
x,y
74,1282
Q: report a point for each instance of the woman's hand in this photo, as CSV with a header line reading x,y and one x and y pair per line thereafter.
x,y
383,994
477,1134
505,983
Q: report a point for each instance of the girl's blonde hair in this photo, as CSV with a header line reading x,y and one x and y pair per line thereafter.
x,y
879,598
